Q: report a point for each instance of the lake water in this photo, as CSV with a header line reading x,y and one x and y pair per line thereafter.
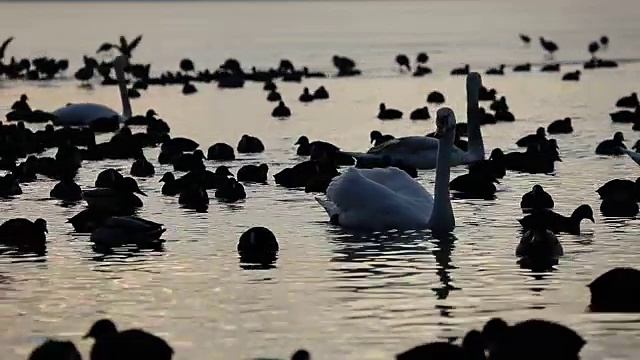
x,y
338,295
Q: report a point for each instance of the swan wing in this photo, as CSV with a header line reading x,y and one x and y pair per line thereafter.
x,y
399,182
407,144
368,204
632,154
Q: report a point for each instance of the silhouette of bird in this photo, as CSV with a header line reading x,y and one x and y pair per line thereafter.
x,y
604,41
593,48
526,39
124,47
549,46
4,45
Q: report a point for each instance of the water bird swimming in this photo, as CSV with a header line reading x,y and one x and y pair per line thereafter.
x,y
364,198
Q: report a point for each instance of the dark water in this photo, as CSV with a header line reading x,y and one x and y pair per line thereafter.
x,y
337,294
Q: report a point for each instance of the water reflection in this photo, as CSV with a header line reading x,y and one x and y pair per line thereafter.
x,y
24,254
105,253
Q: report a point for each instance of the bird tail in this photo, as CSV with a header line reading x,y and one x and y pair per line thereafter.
x,y
328,206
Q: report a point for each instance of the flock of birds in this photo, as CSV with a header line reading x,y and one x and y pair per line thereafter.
x,y
377,191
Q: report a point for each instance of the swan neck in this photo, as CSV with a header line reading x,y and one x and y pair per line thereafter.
x,y
476,145
442,218
122,86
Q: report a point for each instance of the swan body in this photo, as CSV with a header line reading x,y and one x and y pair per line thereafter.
x,y
632,154
388,198
421,152
84,114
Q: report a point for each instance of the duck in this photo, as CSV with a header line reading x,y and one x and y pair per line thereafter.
x,y
421,70
188,88
619,207
421,152
193,196
188,161
9,186
258,245
539,137
376,137
21,105
612,146
616,290
560,126
108,178
172,186
141,167
274,96
496,70
281,111
178,144
630,101
536,199
472,349
321,93
571,76
21,232
403,62
461,70
420,114
143,120
388,114
511,342
620,189
435,97
300,174
249,145
66,190
306,96
364,198
221,152
126,230
550,68
558,223
253,173
539,244
526,67
626,116
87,220
120,198
85,114
494,165
231,191
475,185
126,345
55,349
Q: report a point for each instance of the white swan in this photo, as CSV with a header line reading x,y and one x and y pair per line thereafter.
x,y
421,152
383,199
84,114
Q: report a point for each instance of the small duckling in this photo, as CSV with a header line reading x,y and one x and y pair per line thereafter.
x,y
141,167
281,111
253,173
171,186
231,191
321,93
306,96
388,114
630,101
66,190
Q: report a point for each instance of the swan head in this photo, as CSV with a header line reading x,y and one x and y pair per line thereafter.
x,y
445,121
474,82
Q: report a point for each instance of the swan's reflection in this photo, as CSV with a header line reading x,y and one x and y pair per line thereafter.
x,y
390,260
24,254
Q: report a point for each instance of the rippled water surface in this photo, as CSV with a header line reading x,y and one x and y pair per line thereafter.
x,y
339,295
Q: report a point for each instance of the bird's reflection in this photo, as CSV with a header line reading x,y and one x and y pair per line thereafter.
x,y
105,253
442,253
393,255
25,253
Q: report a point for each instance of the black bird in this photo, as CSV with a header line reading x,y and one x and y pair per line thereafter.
x,y
403,61
125,48
525,39
549,46
559,223
536,199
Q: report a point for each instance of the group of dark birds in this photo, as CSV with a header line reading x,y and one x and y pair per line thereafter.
x,y
110,216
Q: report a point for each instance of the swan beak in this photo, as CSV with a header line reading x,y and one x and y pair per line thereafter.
x,y
592,219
